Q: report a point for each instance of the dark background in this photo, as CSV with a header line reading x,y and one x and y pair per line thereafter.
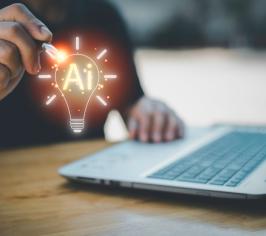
x,y
195,23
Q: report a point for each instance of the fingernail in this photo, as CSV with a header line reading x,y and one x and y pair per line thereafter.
x,y
45,31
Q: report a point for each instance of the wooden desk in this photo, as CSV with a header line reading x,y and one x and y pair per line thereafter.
x,y
35,200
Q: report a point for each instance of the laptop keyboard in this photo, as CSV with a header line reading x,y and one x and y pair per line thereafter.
x,y
226,161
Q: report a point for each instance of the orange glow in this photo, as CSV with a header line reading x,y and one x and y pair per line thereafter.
x,y
61,56
63,52
92,45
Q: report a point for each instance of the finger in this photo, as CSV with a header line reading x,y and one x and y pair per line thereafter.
x,y
20,13
132,127
15,33
4,77
180,128
9,56
144,127
171,130
158,123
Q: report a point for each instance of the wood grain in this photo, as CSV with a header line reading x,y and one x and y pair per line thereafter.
x,y
35,200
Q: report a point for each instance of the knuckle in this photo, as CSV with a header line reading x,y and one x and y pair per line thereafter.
x,y
146,114
160,106
18,7
137,114
159,113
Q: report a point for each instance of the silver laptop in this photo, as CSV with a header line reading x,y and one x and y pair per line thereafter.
x,y
220,161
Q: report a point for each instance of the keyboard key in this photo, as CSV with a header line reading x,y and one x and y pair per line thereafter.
x,y
195,170
209,173
191,179
231,184
218,181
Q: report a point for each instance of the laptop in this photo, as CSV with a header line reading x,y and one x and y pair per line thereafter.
x,y
220,161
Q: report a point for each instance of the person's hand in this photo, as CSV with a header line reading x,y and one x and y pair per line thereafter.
x,y
19,49
152,120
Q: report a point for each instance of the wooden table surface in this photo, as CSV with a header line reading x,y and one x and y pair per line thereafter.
x,y
35,200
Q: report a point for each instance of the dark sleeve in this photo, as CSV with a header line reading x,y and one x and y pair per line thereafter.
x,y
112,22
137,91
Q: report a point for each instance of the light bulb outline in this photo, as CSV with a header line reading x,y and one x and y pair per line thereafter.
x,y
92,92
77,125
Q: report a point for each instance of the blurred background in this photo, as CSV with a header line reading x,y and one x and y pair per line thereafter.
x,y
205,58
195,23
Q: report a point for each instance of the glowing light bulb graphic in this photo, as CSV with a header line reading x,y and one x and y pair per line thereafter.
x,y
77,78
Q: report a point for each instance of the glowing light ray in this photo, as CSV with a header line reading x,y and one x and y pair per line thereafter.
x,y
102,53
61,56
77,44
50,100
110,76
44,76
101,101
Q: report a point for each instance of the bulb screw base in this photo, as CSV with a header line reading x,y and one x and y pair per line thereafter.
x,y
77,125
